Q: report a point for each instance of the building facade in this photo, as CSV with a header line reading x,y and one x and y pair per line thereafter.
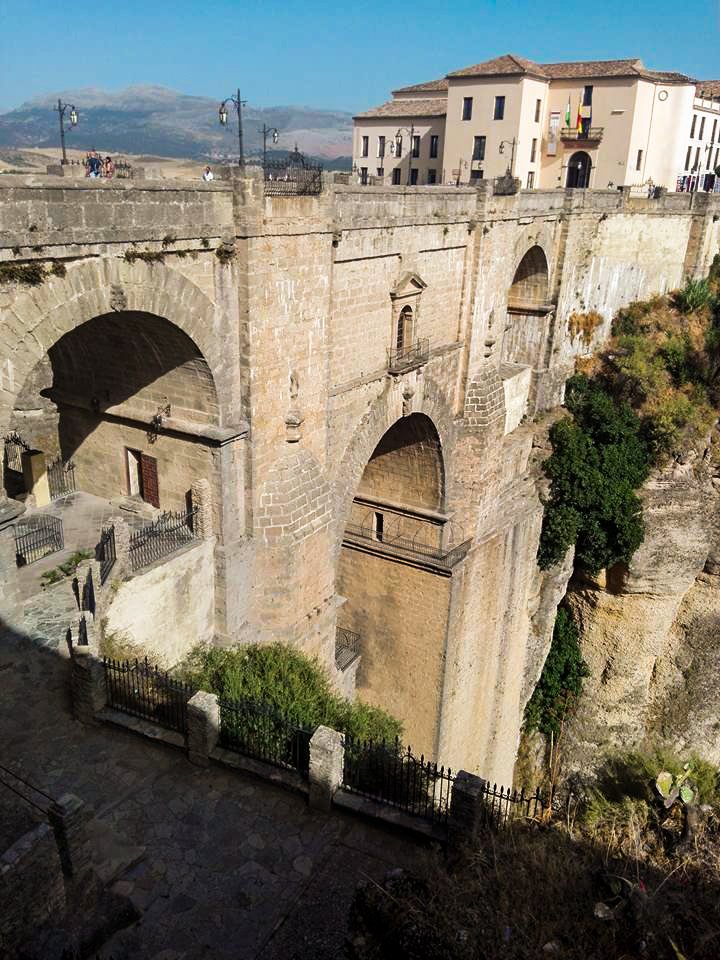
x,y
588,124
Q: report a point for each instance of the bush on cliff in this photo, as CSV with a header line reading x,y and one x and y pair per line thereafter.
x,y
286,680
560,684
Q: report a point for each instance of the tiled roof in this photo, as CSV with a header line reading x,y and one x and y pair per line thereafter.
x,y
579,69
709,88
431,85
507,65
406,108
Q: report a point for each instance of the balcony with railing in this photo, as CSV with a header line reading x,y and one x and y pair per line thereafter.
x,y
588,136
409,357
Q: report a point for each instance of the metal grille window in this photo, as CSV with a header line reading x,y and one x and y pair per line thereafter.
x,y
467,108
479,148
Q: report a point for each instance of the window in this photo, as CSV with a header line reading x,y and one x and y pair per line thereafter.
x,y
478,148
405,330
702,128
587,97
533,150
687,158
416,146
432,176
381,147
378,526
531,180
692,128
434,146
499,108
396,177
476,175
697,159
712,138
381,171
363,175
538,108
467,108
717,158
413,175
398,147
638,162
364,146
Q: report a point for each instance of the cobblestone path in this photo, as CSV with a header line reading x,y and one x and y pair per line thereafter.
x,y
225,866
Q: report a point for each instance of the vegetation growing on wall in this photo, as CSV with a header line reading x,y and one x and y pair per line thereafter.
x,y
561,681
288,681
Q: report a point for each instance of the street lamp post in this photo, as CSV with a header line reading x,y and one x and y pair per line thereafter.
x,y
238,103
501,149
398,145
275,134
62,109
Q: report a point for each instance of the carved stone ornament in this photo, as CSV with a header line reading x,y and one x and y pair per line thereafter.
x,y
408,394
293,421
118,299
294,385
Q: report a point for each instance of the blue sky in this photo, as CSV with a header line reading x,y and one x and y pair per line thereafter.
x,y
336,55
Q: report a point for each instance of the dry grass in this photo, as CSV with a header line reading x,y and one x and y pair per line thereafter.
x,y
584,325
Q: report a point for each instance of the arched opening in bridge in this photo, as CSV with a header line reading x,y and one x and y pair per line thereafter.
x,y
579,169
126,404
394,574
525,344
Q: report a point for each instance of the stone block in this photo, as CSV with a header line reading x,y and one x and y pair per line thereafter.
x,y
467,807
88,683
69,817
327,754
203,713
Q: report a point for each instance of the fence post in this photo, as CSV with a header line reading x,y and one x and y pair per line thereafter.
x,y
201,498
88,681
203,717
121,567
68,817
467,807
327,755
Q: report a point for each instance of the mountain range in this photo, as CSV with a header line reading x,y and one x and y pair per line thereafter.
x,y
164,122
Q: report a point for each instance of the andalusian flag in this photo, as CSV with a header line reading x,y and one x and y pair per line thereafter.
x,y
567,113
579,118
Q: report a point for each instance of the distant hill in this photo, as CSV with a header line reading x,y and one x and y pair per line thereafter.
x,y
156,120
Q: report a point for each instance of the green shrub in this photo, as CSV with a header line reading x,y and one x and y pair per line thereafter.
x,y
599,459
561,680
693,296
288,681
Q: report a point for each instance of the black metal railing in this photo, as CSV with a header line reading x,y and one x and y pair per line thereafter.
x,y
37,537
14,446
105,552
407,358
347,648
285,179
61,478
171,531
391,774
589,133
257,730
410,545
502,805
138,688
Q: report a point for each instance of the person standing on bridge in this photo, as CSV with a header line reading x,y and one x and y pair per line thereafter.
x,y
208,174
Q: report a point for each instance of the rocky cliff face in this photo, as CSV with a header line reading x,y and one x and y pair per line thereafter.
x,y
651,633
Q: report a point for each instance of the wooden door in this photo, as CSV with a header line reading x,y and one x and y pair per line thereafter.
x,y
150,491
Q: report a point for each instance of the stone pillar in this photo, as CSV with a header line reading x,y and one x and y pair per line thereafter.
x,y
121,567
203,713
35,476
11,606
327,753
68,817
88,681
202,502
467,807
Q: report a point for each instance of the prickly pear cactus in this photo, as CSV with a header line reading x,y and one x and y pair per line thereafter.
x,y
671,788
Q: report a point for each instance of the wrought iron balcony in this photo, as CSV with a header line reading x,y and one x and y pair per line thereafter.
x,y
347,648
408,358
591,135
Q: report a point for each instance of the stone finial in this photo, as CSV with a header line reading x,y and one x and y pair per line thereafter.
x,y
201,497
203,713
467,807
87,683
327,754
121,567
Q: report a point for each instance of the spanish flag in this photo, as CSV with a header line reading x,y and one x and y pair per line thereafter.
x,y
579,119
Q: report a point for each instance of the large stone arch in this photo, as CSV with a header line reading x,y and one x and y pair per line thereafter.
x,y
36,318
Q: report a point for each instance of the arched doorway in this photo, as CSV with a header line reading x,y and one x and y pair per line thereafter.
x,y
579,169
394,576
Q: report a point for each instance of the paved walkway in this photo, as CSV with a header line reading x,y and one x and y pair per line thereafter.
x,y
226,866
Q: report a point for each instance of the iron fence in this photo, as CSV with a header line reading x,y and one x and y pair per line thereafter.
x,y
410,545
14,446
138,688
171,531
257,730
61,478
501,805
391,774
105,552
37,537
347,648
409,357
285,179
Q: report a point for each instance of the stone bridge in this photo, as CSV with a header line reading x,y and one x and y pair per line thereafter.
x,y
360,377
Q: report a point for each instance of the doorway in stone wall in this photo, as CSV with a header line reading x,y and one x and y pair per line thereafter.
x,y
142,476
